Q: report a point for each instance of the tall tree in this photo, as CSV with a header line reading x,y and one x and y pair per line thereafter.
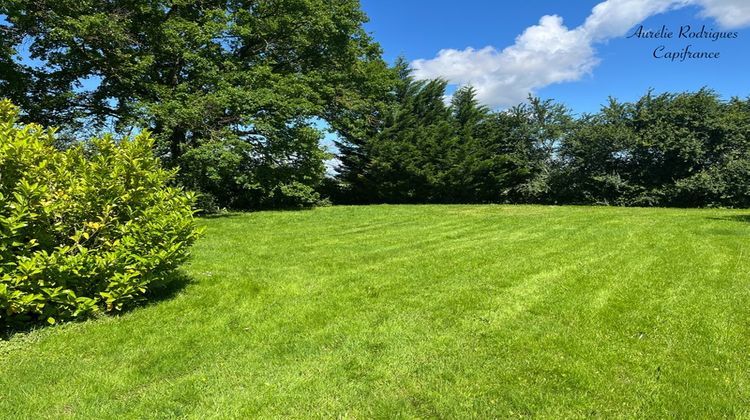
x,y
355,136
196,71
464,175
407,158
410,157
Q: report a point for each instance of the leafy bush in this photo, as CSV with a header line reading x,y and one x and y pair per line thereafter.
x,y
92,228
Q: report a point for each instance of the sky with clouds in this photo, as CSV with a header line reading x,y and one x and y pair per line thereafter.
x,y
576,51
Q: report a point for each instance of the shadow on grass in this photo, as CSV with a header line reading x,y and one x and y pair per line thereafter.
x,y
168,289
220,215
743,218
238,213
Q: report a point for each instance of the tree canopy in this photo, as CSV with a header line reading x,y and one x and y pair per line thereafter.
x,y
248,77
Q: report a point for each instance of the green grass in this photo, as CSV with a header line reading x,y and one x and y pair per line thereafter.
x,y
420,311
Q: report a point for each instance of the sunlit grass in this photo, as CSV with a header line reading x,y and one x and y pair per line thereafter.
x,y
428,311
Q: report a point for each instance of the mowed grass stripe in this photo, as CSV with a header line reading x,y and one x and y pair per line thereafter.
x,y
427,311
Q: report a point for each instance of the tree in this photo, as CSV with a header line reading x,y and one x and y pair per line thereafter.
x,y
466,153
353,183
408,157
597,159
688,149
196,72
425,151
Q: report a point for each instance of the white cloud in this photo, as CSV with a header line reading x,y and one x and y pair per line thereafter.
x,y
729,13
544,54
549,52
614,18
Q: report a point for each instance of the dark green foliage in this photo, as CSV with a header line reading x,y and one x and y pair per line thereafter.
x,y
686,150
427,151
255,175
411,157
87,229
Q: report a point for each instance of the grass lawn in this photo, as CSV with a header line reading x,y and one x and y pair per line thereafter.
x,y
419,311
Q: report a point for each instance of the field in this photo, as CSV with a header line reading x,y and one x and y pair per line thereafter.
x,y
419,311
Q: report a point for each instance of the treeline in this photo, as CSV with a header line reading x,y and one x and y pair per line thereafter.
x,y
234,93
684,149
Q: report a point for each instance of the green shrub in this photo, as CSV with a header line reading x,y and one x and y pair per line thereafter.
x,y
92,228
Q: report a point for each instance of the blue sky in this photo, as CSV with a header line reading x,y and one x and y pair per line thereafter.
x,y
600,63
